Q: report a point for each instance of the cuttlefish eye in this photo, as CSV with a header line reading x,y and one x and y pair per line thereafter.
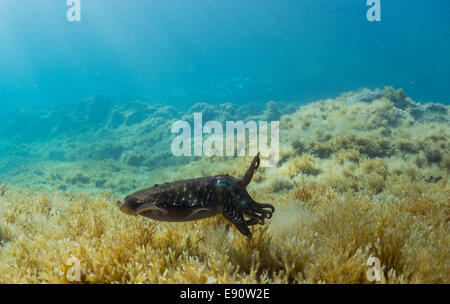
x,y
221,182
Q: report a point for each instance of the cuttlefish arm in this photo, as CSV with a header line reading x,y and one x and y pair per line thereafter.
x,y
238,220
247,178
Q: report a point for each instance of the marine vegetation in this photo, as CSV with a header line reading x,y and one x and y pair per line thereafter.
x,y
361,175
199,198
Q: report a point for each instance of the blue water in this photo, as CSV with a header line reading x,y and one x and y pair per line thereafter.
x,y
242,51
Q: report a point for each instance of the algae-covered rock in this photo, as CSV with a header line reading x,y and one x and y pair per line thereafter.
x,y
430,112
100,183
222,112
107,150
167,112
31,125
134,159
84,115
58,155
99,108
209,112
137,112
364,95
271,113
398,97
116,120
78,178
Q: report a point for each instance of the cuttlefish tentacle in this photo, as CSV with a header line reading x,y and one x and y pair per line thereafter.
x,y
251,170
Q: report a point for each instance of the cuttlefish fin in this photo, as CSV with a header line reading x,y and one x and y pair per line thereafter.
x,y
237,219
195,211
149,207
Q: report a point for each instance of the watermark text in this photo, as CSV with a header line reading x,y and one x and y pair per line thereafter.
x,y
238,137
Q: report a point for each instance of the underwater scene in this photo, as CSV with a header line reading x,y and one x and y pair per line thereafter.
x,y
253,142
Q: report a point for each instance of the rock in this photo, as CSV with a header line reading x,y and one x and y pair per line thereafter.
x,y
436,108
167,112
116,120
57,155
224,112
366,95
98,109
209,112
398,98
107,151
134,159
430,112
271,113
78,178
137,112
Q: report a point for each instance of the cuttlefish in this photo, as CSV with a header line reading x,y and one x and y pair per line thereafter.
x,y
198,198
